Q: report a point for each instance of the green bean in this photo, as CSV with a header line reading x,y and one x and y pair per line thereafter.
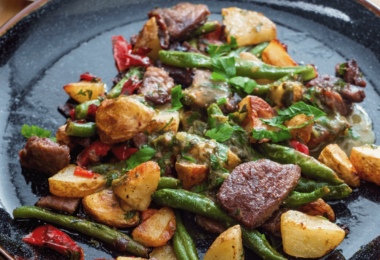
x,y
309,166
296,199
258,49
336,191
206,28
168,183
245,68
201,205
179,247
81,130
185,239
103,233
133,72
82,109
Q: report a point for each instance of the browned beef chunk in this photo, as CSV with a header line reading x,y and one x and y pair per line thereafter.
x,y
230,107
335,102
66,108
180,75
190,48
182,19
210,224
44,155
255,190
68,205
156,86
139,140
351,74
273,225
352,94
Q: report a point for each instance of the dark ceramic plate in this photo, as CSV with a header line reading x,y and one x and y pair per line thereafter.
x,y
62,39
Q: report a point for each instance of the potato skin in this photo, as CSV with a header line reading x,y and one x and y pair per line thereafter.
x,y
190,173
120,119
66,184
275,54
137,185
165,252
161,119
336,159
148,37
227,246
64,139
157,230
366,160
85,88
303,133
104,208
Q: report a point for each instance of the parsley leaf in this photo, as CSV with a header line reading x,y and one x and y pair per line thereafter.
x,y
353,134
217,77
219,50
161,163
243,84
189,158
168,124
219,181
176,98
274,136
202,187
221,101
141,156
83,93
28,131
342,69
129,215
221,133
228,65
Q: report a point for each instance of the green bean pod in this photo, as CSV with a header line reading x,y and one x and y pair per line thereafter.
x,y
206,28
183,243
296,199
168,183
337,192
309,166
258,49
103,233
201,205
81,130
133,72
82,109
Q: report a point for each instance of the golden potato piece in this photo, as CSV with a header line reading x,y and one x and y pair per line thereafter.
x,y
248,27
232,161
66,184
165,252
303,133
136,186
104,208
275,54
286,94
308,236
249,56
366,160
334,157
83,91
157,230
318,208
164,121
120,119
191,173
148,37
227,246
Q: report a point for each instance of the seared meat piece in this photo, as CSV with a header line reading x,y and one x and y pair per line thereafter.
x,y
68,205
273,225
44,155
351,75
182,19
66,108
255,190
352,94
64,139
230,107
189,48
156,86
139,140
335,102
210,224
180,75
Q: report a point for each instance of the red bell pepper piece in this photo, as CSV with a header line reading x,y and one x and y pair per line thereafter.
x,y
300,147
100,149
91,112
130,86
120,49
215,37
142,51
72,114
49,236
123,152
138,60
89,77
83,173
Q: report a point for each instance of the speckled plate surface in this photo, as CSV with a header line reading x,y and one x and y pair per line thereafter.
x,y
62,39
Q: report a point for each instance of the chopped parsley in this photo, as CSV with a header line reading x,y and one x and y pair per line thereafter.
x,y
29,131
193,117
353,134
221,101
177,95
188,158
83,93
221,133
129,215
237,212
220,50
141,156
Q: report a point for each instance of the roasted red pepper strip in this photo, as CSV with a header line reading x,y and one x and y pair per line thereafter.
x,y
138,60
123,152
49,236
89,77
72,114
100,149
91,112
300,147
83,173
120,49
142,51
130,86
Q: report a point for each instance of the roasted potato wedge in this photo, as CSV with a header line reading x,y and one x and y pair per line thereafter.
x,y
104,208
249,56
227,246
275,54
318,208
303,133
164,121
256,108
248,27
286,94
191,173
83,91
336,159
148,37
120,119
66,184
366,160
157,230
165,252
308,236
136,186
